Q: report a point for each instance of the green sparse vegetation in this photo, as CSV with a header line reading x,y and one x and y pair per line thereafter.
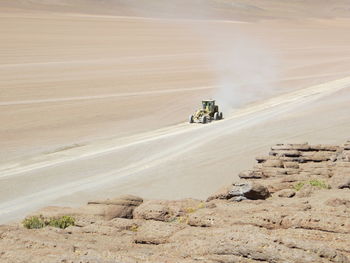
x,y
316,183
298,186
319,184
134,228
37,222
34,222
183,219
62,222
201,205
190,210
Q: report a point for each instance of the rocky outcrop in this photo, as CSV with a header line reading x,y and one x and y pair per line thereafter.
x,y
294,207
155,232
166,210
242,191
119,207
289,163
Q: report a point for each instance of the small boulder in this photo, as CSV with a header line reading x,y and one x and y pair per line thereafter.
x,y
299,147
118,211
261,159
222,193
252,190
273,163
155,232
120,207
251,174
291,165
286,193
152,211
317,156
242,191
323,147
340,181
124,200
201,218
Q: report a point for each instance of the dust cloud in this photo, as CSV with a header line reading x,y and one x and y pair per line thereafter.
x,y
244,68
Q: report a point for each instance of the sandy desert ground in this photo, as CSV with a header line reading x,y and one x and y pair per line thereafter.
x,y
94,100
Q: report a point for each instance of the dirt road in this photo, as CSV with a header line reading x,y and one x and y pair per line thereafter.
x,y
103,164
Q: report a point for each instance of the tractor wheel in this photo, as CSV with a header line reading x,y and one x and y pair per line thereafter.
x,y
204,119
216,116
220,116
190,119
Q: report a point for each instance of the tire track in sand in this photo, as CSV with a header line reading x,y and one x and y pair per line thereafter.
x,y
104,96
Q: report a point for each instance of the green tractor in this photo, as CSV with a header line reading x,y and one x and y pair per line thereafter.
x,y
208,112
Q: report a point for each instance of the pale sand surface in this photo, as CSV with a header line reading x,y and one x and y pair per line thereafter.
x,y
96,105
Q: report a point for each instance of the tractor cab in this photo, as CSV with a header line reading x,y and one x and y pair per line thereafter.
x,y
208,105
